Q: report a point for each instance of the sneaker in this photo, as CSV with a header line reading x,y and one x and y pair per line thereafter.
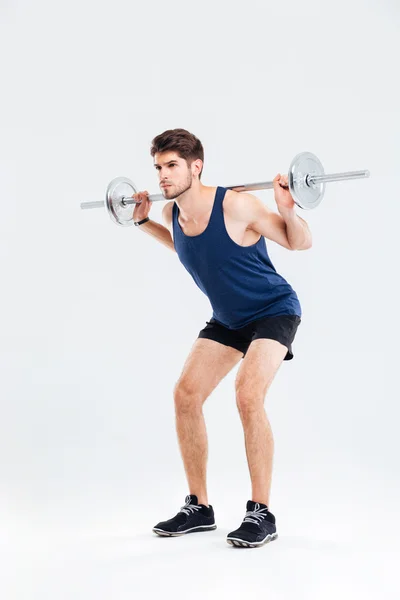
x,y
191,517
258,527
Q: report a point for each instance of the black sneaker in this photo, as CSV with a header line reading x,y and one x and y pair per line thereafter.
x,y
191,517
258,527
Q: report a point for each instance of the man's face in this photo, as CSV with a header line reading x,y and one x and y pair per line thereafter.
x,y
173,172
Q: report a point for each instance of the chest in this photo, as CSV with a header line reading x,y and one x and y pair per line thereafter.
x,y
237,230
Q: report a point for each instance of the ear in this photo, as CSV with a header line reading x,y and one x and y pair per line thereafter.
x,y
198,165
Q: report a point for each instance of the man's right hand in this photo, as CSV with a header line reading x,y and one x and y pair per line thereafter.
x,y
141,210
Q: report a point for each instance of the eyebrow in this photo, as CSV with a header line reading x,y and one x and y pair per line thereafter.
x,y
167,163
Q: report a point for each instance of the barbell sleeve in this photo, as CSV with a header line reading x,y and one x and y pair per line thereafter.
x,y
96,204
337,177
125,201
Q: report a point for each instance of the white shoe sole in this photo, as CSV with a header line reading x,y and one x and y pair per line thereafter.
x,y
245,544
162,532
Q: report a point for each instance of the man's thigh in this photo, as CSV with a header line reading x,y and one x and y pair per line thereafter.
x,y
206,365
259,367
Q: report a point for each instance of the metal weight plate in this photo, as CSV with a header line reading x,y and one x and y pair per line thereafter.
x,y
117,189
306,195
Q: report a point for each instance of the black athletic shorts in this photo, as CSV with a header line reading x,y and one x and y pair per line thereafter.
x,y
281,328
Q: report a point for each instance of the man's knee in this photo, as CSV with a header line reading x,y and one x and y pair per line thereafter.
x,y
187,397
249,399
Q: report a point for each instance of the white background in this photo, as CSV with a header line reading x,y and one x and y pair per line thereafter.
x,y
97,320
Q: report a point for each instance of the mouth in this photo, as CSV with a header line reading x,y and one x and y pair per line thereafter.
x,y
167,185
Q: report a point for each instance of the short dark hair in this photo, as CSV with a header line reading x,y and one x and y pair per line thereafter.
x,y
184,143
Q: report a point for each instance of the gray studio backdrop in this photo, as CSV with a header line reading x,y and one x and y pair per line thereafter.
x,y
97,320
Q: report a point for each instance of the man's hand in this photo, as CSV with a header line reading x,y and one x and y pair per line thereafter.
x,y
142,209
283,197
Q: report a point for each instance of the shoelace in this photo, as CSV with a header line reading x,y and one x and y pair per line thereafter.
x,y
257,513
189,508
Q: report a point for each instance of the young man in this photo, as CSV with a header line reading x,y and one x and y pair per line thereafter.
x,y
219,236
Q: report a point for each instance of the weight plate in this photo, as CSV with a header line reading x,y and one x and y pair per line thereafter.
x,y
117,189
306,195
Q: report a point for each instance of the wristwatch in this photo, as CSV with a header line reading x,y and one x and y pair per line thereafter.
x,y
141,222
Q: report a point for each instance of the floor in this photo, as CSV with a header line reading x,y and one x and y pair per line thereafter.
x,y
122,559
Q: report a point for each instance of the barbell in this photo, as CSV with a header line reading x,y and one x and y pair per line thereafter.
x,y
306,178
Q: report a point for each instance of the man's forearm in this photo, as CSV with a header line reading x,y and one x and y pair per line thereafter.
x,y
159,232
297,230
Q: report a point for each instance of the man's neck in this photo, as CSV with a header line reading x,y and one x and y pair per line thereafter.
x,y
196,205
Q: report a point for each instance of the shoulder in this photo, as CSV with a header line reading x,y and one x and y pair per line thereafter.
x,y
242,206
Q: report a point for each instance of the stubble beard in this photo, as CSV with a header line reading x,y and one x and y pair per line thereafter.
x,y
171,194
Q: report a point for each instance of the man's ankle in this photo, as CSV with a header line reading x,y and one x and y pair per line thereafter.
x,y
201,500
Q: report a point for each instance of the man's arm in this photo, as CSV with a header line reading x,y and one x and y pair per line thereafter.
x,y
289,231
297,230
158,231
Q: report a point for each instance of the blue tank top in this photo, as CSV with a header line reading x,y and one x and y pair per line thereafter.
x,y
240,282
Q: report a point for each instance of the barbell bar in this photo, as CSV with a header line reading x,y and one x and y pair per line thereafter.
x,y
306,178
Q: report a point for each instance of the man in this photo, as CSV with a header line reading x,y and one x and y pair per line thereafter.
x,y
219,236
